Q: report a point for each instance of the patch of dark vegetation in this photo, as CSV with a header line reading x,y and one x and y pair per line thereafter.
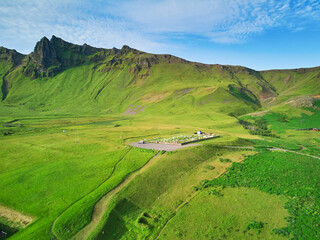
x,y
6,231
209,167
243,93
14,120
316,104
98,123
288,174
225,160
281,231
258,127
216,192
142,220
7,132
12,125
145,214
254,225
196,188
117,125
147,220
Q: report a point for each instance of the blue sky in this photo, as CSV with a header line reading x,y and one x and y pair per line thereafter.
x,y
259,34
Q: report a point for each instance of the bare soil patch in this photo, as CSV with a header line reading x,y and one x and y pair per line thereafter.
x,y
15,217
132,111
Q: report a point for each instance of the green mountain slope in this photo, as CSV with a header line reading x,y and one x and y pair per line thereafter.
x,y
60,77
70,112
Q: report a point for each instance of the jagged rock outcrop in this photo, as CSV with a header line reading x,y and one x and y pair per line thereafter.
x,y
11,59
55,55
52,56
10,55
45,54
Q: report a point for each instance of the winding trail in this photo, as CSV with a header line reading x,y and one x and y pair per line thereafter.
x,y
275,149
110,175
285,150
101,206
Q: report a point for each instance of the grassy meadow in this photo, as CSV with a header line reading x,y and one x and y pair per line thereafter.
x,y
227,215
55,168
65,132
286,174
44,172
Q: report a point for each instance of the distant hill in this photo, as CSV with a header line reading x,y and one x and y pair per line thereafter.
x,y
61,77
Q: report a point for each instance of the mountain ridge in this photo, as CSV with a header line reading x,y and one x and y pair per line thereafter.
x,y
59,75
128,48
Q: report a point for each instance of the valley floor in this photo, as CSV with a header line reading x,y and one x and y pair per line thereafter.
x,y
79,177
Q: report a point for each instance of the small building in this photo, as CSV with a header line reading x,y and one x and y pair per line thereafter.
x,y
315,129
141,142
199,132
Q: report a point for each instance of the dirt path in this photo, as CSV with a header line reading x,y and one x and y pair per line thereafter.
x,y
275,149
110,175
101,206
285,150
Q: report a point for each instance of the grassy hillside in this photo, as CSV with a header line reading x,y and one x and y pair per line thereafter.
x,y
61,78
69,113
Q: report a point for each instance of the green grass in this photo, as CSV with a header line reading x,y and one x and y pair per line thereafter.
x,y
159,191
281,123
276,143
285,127
79,173
287,174
50,166
45,174
79,214
228,216
162,87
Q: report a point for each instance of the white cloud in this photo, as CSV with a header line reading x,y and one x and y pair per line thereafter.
x,y
223,21
22,23
148,25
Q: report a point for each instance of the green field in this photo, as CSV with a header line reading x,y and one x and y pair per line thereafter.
x,y
287,174
67,170
215,217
